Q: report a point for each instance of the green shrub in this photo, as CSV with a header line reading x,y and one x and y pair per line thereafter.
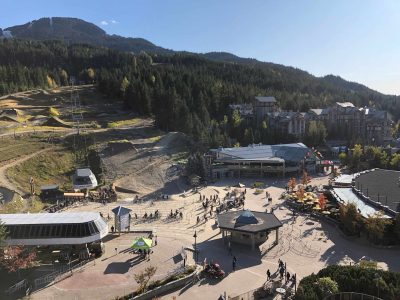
x,y
258,185
352,279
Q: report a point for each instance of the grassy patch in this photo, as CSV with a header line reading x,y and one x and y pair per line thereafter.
x,y
37,128
55,166
118,142
54,112
180,157
155,139
11,147
369,264
17,205
116,124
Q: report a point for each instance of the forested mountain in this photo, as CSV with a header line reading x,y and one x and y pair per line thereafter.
x,y
73,30
184,92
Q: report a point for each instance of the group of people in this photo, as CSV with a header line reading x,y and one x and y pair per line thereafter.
x,y
214,199
104,195
61,204
146,216
283,273
145,253
176,214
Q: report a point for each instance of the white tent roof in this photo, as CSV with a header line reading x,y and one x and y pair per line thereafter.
x,y
49,218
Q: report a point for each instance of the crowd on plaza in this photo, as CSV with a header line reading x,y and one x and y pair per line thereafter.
x,y
234,199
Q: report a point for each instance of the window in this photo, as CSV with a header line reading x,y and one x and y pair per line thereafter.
x,y
64,230
57,231
46,231
50,232
91,228
69,230
86,231
75,230
34,231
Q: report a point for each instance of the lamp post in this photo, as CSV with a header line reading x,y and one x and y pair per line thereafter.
x,y
195,246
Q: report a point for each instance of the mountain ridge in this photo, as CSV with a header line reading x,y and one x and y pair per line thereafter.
x,y
75,30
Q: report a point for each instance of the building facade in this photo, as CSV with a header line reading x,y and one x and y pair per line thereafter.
x,y
342,120
263,106
261,160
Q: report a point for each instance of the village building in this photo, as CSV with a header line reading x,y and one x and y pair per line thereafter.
x,y
288,122
245,109
248,227
342,120
263,106
262,160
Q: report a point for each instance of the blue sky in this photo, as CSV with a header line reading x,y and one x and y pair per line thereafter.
x,y
358,40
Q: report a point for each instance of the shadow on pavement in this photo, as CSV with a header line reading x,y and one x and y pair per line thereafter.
x,y
117,268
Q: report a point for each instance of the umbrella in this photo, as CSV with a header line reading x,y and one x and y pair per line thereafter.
x,y
142,243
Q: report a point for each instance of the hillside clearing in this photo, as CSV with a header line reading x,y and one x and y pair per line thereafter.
x,y
56,166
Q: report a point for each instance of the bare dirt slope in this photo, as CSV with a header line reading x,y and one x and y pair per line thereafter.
x,y
147,164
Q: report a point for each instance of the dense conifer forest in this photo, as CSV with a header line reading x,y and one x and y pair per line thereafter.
x,y
184,92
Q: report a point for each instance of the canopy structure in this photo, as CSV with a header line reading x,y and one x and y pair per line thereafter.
x,y
142,243
247,227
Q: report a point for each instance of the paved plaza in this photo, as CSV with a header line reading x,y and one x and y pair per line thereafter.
x,y
305,245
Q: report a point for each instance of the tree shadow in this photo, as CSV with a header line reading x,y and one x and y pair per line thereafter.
x,y
356,249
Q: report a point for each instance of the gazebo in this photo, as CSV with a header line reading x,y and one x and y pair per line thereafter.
x,y
248,227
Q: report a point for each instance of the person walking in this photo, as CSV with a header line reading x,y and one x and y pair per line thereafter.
x,y
287,276
281,272
268,274
234,263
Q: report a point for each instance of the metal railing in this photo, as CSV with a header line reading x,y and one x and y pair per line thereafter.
x,y
62,273
24,284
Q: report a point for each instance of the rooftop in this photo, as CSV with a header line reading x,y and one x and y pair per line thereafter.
x,y
120,210
49,218
345,104
383,186
248,221
290,152
84,172
319,111
246,218
346,195
266,99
